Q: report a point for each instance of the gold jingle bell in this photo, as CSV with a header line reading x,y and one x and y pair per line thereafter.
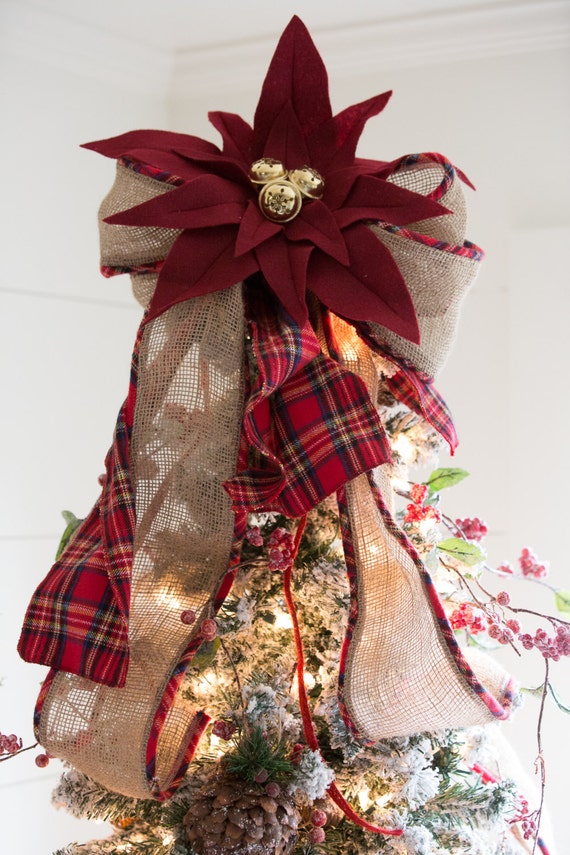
x,y
266,169
309,182
280,201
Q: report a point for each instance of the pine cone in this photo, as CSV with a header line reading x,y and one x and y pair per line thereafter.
x,y
232,815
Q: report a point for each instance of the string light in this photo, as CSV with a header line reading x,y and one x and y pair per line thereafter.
x,y
283,621
405,448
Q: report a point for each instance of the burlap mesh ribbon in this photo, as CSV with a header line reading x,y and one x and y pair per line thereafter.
x,y
184,446
401,669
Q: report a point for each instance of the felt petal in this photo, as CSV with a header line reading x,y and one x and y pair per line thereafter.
x,y
284,267
296,74
217,163
370,289
147,139
375,199
206,201
317,225
156,148
236,134
254,229
353,119
200,262
339,184
285,140
348,125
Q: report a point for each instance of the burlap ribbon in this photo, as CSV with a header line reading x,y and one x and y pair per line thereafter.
x,y
401,669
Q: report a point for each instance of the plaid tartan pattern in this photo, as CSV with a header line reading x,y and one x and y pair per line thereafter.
x,y
77,620
414,389
309,422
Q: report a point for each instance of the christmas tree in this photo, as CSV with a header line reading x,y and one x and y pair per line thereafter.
x,y
254,636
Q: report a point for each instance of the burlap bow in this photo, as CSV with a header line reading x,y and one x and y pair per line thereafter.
x,y
258,395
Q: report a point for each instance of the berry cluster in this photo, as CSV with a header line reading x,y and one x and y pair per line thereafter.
x,y
417,511
551,647
223,729
281,548
10,744
468,617
419,493
530,566
253,536
472,529
505,632
318,819
526,820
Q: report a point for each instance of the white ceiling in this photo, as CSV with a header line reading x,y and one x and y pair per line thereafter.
x,y
188,25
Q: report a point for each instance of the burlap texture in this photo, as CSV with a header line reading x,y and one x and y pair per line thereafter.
x,y
184,446
131,246
437,279
400,676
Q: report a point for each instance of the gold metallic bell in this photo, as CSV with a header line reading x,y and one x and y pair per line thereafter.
x,y
280,201
309,182
266,169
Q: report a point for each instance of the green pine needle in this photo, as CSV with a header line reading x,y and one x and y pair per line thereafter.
x,y
253,753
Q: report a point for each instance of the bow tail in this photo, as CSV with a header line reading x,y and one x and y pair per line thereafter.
x,y
401,669
137,738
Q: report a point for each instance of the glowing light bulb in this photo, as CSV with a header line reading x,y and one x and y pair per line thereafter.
x,y
364,798
309,680
283,621
405,448
401,484
166,598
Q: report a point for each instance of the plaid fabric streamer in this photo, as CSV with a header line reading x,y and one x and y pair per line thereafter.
x,y
414,389
309,426
77,620
309,422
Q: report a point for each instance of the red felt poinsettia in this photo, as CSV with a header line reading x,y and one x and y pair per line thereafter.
x,y
327,247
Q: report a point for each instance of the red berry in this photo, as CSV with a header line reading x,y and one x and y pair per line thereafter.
x,y
317,835
503,598
253,535
318,818
505,569
209,629
418,494
223,729
261,776
188,616
272,789
42,760
472,529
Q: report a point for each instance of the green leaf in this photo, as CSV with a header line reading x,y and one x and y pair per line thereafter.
x,y
562,600
467,553
447,477
73,523
205,654
557,700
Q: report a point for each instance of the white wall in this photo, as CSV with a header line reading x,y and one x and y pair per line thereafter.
x,y
68,333
65,347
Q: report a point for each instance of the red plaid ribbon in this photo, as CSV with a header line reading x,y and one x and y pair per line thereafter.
x,y
309,426
309,423
77,620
